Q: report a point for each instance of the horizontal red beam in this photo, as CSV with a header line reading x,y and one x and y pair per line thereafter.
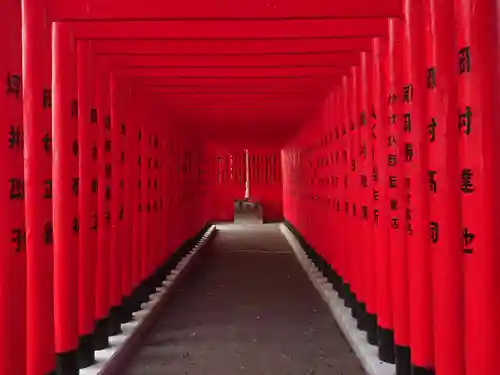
x,y
220,9
229,29
230,73
214,61
230,47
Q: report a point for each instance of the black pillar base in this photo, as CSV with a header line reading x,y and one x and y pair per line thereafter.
x,y
361,314
355,306
348,296
85,353
417,370
101,337
126,310
67,363
341,290
372,331
51,373
386,345
403,360
114,326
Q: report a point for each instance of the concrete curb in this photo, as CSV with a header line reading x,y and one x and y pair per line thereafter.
x,y
367,353
112,360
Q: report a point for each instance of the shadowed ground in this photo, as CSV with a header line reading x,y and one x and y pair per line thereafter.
x,y
247,308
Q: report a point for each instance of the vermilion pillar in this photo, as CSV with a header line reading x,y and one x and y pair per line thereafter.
x,y
397,187
136,188
143,163
366,158
36,91
115,148
65,199
444,183
419,185
105,325
477,123
380,195
126,183
12,232
350,299
86,187
357,250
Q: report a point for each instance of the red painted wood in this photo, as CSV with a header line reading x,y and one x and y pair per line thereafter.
x,y
419,188
397,188
36,85
65,170
478,133
12,229
445,202
87,190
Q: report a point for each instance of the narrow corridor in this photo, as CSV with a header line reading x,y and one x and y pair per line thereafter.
x,y
247,308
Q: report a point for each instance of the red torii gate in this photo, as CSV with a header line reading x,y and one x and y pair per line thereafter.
x,y
347,26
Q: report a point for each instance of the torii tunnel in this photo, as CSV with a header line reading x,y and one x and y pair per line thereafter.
x,y
364,131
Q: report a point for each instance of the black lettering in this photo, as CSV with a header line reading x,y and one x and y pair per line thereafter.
x,y
48,189
464,60
47,98
107,145
467,183
409,152
408,93
75,148
16,190
13,84
362,118
362,151
364,210
395,223
95,185
376,195
47,142
392,99
94,221
94,118
468,239
15,137
76,225
431,78
432,181
392,160
465,120
375,174
76,185
18,237
432,130
107,193
407,122
392,182
394,204
434,232
48,233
